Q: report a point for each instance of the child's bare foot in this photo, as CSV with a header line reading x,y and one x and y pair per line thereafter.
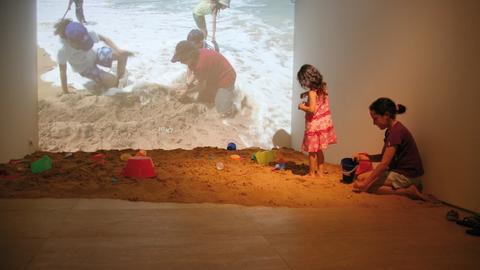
x,y
310,175
59,94
322,169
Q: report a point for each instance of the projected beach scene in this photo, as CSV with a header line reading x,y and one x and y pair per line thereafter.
x,y
154,97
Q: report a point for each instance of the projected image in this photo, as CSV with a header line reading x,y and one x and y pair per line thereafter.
x,y
149,74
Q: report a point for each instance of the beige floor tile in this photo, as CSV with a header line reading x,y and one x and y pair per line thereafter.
x,y
18,253
167,252
37,204
30,223
157,222
109,234
381,250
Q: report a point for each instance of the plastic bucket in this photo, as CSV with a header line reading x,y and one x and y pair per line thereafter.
x,y
348,169
363,167
139,167
231,146
264,157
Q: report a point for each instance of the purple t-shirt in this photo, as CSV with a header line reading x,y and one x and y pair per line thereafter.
x,y
407,160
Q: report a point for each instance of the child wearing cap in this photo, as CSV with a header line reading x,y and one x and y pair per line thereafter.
x,y
215,75
198,39
207,7
78,51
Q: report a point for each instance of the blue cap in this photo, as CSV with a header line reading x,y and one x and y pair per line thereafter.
x,y
78,34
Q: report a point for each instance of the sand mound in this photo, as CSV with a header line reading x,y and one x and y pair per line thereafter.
x,y
190,176
149,117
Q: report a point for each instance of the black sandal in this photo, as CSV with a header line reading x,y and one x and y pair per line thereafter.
x,y
474,232
471,222
452,215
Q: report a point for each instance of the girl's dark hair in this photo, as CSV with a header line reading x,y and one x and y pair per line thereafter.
x,y
60,27
309,76
384,105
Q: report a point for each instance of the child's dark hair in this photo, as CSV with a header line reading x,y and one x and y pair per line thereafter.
x,y
60,27
384,105
309,76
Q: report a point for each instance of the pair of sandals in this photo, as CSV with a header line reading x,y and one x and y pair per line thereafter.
x,y
472,222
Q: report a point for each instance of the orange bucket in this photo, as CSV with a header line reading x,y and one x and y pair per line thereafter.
x,y
139,167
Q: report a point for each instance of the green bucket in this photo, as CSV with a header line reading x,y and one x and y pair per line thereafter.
x,y
43,164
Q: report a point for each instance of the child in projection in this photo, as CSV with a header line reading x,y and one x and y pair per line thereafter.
x,y
78,10
206,7
319,132
215,75
400,166
198,38
77,51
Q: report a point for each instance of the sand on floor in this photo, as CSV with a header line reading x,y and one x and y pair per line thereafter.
x,y
190,176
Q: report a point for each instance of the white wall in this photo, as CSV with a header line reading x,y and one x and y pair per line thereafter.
x,y
18,83
423,54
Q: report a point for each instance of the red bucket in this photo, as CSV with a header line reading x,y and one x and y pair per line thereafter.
x,y
364,166
139,167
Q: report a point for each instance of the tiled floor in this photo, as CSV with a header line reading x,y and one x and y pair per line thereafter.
x,y
112,234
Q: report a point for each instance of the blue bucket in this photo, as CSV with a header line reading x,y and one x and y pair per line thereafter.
x,y
231,146
348,169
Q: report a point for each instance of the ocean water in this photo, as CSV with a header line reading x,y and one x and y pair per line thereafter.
x,y
256,36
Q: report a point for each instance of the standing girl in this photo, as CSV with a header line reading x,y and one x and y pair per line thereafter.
x,y
209,7
319,132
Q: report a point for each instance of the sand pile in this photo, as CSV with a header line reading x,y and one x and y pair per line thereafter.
x,y
148,117
189,176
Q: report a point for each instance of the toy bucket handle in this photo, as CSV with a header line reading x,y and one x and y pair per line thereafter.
x,y
349,172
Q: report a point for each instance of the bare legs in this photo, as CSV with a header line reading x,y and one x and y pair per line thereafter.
x,y
411,192
316,162
109,80
313,161
121,58
79,11
321,161
386,188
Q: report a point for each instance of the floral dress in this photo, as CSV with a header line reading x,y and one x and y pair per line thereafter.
x,y
319,132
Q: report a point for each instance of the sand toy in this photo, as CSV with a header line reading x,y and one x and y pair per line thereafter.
x,y
125,156
139,167
219,166
98,159
141,153
231,146
264,157
43,164
348,169
235,157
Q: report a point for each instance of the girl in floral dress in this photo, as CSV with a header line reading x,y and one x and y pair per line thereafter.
x,y
319,132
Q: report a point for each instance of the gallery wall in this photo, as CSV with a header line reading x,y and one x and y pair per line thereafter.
x,y
423,54
18,68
